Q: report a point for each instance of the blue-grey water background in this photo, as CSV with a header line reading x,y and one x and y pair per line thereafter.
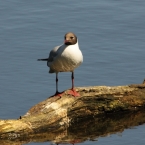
x,y
111,36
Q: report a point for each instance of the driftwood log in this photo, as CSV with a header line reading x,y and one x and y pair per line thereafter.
x,y
56,117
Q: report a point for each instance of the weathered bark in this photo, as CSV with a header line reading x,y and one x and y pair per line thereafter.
x,y
55,114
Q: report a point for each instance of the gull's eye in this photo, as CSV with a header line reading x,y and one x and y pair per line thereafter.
x,y
72,37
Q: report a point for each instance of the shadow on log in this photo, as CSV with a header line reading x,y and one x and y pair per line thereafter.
x,y
62,119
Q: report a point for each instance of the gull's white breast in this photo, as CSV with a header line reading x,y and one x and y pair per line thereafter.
x,y
67,59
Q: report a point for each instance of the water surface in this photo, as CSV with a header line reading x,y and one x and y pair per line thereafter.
x,y
111,36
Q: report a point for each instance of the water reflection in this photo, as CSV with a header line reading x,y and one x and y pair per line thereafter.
x,y
86,129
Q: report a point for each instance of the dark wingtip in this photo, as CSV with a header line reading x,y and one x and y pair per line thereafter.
x,y
45,59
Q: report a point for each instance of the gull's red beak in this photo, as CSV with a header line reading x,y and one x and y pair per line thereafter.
x,y
65,41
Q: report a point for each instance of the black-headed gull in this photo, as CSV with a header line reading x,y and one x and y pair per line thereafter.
x,y
65,58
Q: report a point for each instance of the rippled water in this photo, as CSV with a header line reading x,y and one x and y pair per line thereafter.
x,y
111,36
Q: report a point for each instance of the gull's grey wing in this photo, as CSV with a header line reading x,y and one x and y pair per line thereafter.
x,y
53,53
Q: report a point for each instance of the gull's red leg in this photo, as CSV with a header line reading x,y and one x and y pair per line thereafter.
x,y
57,93
73,91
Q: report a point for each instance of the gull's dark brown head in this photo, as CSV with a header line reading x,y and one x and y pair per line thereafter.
x,y
70,39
